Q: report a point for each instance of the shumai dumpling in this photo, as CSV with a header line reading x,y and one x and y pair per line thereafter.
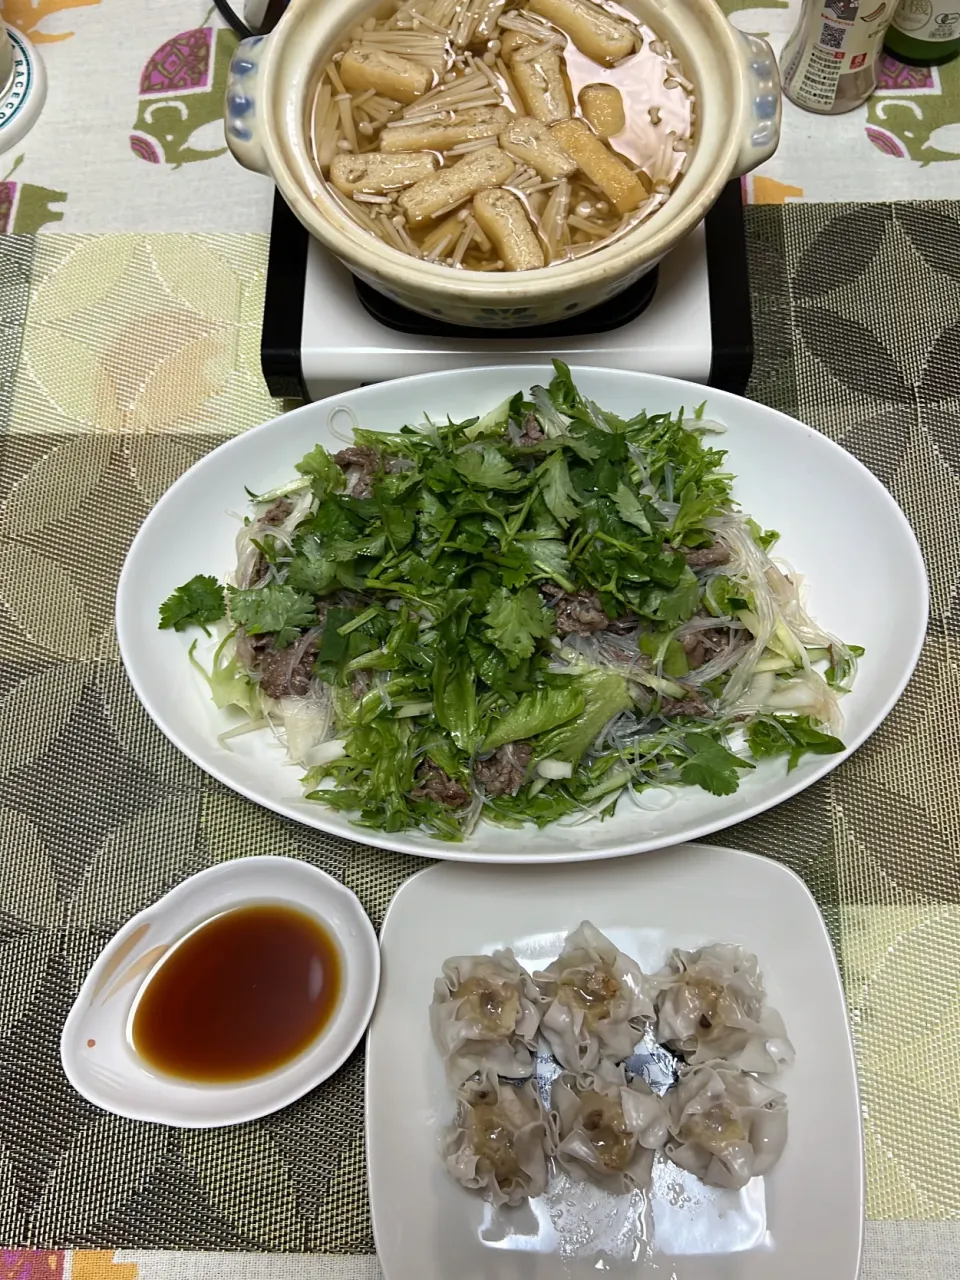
x,y
607,1129
725,1127
711,1005
499,1141
485,1015
596,1001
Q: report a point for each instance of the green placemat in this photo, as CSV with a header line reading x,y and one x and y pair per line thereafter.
x,y
123,359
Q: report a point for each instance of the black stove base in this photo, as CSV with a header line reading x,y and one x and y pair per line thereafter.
x,y
730,322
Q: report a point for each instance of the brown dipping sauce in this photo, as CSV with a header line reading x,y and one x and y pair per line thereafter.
x,y
242,995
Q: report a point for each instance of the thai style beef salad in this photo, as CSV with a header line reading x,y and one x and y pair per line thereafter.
x,y
522,617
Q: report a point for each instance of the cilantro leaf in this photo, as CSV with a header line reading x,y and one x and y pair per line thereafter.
x,y
196,604
325,476
399,523
672,606
487,468
631,509
546,556
794,736
711,765
516,621
279,611
557,487
311,570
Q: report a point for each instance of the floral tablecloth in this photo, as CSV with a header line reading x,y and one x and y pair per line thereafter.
x,y
132,258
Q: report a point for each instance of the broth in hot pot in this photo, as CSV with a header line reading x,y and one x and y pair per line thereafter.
x,y
491,136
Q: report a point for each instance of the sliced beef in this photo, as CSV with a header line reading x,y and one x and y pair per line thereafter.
x,y
531,432
277,512
691,705
623,625
257,571
701,646
286,673
360,463
274,515
706,557
434,784
579,614
251,649
504,772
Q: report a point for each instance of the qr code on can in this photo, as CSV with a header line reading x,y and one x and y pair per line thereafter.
x,y
831,37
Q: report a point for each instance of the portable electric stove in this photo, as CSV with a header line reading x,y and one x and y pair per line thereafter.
x,y
324,331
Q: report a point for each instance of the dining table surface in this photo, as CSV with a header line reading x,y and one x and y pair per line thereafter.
x,y
133,253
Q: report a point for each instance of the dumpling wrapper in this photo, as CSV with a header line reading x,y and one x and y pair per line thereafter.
x,y
597,1001
725,1127
607,1129
485,1016
711,1005
499,1141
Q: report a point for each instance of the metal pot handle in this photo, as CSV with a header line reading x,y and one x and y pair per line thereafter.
x,y
240,121
760,124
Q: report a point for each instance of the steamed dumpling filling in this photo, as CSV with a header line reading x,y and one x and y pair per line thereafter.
x,y
591,991
711,1004
499,1140
485,1016
596,1001
725,1126
608,1129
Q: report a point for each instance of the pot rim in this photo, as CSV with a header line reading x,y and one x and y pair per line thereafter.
x,y
645,244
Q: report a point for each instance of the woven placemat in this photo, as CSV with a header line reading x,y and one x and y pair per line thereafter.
x,y
123,359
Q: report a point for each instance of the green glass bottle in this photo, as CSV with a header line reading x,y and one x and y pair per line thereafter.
x,y
925,33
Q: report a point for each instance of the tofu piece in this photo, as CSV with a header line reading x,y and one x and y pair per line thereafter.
x,y
438,135
538,74
511,41
503,218
595,32
602,107
489,167
529,141
375,173
388,73
624,189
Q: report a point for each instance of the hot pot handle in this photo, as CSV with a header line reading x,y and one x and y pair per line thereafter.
x,y
760,123
240,106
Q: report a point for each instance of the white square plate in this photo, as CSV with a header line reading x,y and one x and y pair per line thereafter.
x,y
803,1221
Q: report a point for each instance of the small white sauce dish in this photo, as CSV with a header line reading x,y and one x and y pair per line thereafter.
x,y
95,1048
